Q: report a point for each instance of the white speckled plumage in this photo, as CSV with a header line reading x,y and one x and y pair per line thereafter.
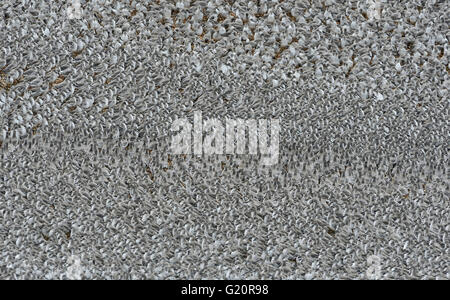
x,y
86,107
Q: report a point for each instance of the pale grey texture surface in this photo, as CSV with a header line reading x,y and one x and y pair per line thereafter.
x,y
86,107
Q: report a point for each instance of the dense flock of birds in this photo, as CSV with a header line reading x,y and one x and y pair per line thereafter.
x,y
86,107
